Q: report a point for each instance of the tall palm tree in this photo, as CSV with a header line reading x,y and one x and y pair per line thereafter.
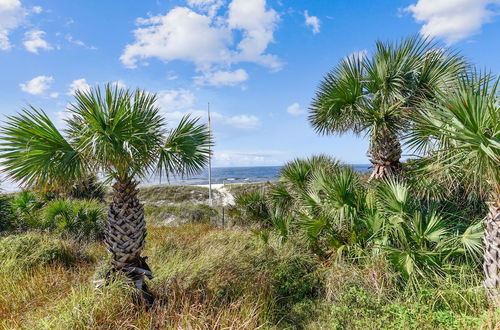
x,y
461,134
376,95
114,131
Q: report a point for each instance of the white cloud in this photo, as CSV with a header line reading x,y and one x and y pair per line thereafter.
x,y
54,95
208,40
12,14
119,84
245,122
258,25
180,34
33,41
209,6
78,84
36,9
37,85
80,43
222,78
452,20
239,121
313,22
295,110
175,99
176,103
172,76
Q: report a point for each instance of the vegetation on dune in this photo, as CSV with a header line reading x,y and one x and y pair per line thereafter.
x,y
460,133
330,207
173,194
212,278
173,214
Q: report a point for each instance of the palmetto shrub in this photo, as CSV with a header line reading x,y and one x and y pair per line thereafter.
x,y
90,189
25,206
331,208
80,219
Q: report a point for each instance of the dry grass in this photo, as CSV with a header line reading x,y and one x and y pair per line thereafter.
x,y
208,278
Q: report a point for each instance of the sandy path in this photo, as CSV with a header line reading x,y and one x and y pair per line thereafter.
x,y
224,197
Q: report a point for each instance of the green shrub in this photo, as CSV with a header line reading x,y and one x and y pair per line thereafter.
x,y
33,249
7,218
253,208
81,219
89,189
357,308
25,206
295,279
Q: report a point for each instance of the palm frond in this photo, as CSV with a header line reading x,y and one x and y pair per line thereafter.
x,y
463,128
34,153
186,149
117,129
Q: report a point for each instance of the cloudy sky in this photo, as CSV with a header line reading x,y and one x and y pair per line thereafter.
x,y
257,62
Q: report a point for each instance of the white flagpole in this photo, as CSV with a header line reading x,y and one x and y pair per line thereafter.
x,y
209,162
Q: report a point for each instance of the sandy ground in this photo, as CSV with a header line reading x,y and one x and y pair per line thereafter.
x,y
226,198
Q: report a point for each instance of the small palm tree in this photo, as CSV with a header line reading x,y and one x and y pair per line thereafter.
x,y
117,132
376,95
461,134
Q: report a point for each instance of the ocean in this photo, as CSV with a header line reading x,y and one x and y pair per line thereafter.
x,y
234,175
219,175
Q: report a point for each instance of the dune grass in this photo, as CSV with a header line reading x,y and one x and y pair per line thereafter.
x,y
173,194
208,278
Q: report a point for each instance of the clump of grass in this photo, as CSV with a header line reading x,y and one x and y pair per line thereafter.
x,y
227,266
32,249
85,307
357,308
35,290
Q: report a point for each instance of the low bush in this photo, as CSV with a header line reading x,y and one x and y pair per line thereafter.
x,y
338,214
7,218
89,189
80,219
25,206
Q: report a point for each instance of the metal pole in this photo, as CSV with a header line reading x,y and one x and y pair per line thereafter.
x,y
209,161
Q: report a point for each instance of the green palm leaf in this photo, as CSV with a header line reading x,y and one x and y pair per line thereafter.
x,y
35,153
186,149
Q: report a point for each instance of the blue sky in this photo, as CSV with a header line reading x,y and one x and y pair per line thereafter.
x,y
257,62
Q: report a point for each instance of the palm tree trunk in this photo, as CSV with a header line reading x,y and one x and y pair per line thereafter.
x,y
491,258
125,235
385,153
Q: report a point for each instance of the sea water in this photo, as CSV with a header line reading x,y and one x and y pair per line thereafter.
x,y
219,175
232,175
